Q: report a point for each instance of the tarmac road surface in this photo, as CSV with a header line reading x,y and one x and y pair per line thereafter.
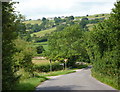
x,y
80,80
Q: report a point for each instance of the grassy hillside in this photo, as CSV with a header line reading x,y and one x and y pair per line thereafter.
x,y
89,16
42,33
99,16
33,22
48,31
41,43
44,44
95,16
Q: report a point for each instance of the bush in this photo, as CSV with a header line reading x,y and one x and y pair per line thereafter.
x,y
96,16
104,44
46,67
40,49
23,58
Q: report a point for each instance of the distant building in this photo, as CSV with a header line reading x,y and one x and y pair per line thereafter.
x,y
91,18
62,17
50,18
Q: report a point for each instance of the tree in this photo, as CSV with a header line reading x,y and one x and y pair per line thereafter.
x,y
57,20
40,49
60,27
9,25
16,53
84,22
28,26
103,43
36,27
71,17
23,57
66,44
96,16
22,30
44,19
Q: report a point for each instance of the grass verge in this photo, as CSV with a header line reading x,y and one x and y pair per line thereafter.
x,y
107,80
31,83
56,73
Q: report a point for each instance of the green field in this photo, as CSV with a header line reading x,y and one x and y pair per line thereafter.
x,y
41,43
45,47
44,32
33,22
44,44
99,16
29,85
94,16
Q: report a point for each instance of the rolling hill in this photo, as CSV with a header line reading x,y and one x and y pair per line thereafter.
x,y
77,19
44,32
33,22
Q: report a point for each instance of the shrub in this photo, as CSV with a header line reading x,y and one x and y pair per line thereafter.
x,y
46,67
23,57
40,49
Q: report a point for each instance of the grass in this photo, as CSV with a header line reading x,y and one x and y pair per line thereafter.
x,y
33,22
44,32
44,44
107,80
98,16
56,73
31,83
45,47
41,43
94,16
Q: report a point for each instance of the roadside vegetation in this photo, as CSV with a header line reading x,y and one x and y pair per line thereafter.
x,y
29,85
65,43
41,74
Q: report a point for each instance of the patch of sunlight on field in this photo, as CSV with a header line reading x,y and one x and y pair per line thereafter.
x,y
41,43
33,22
98,16
43,32
40,61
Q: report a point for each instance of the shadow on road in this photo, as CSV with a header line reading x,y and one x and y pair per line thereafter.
x,y
69,87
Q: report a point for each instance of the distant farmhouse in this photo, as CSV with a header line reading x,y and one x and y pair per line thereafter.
x,y
62,17
50,18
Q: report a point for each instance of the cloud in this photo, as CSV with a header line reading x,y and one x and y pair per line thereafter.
x,y
49,8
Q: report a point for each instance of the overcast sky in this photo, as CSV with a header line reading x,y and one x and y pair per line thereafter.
x,y
35,9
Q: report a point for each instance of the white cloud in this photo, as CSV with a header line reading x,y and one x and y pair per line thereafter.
x,y
49,8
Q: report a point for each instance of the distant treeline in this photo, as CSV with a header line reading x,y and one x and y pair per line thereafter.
x,y
72,40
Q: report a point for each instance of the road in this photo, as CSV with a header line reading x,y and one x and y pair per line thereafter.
x,y
80,80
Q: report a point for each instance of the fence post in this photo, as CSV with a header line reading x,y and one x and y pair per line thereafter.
x,y
65,60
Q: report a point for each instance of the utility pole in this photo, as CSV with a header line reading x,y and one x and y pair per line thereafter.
x,y
50,65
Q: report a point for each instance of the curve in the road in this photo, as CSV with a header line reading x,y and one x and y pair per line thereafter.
x,y
80,80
